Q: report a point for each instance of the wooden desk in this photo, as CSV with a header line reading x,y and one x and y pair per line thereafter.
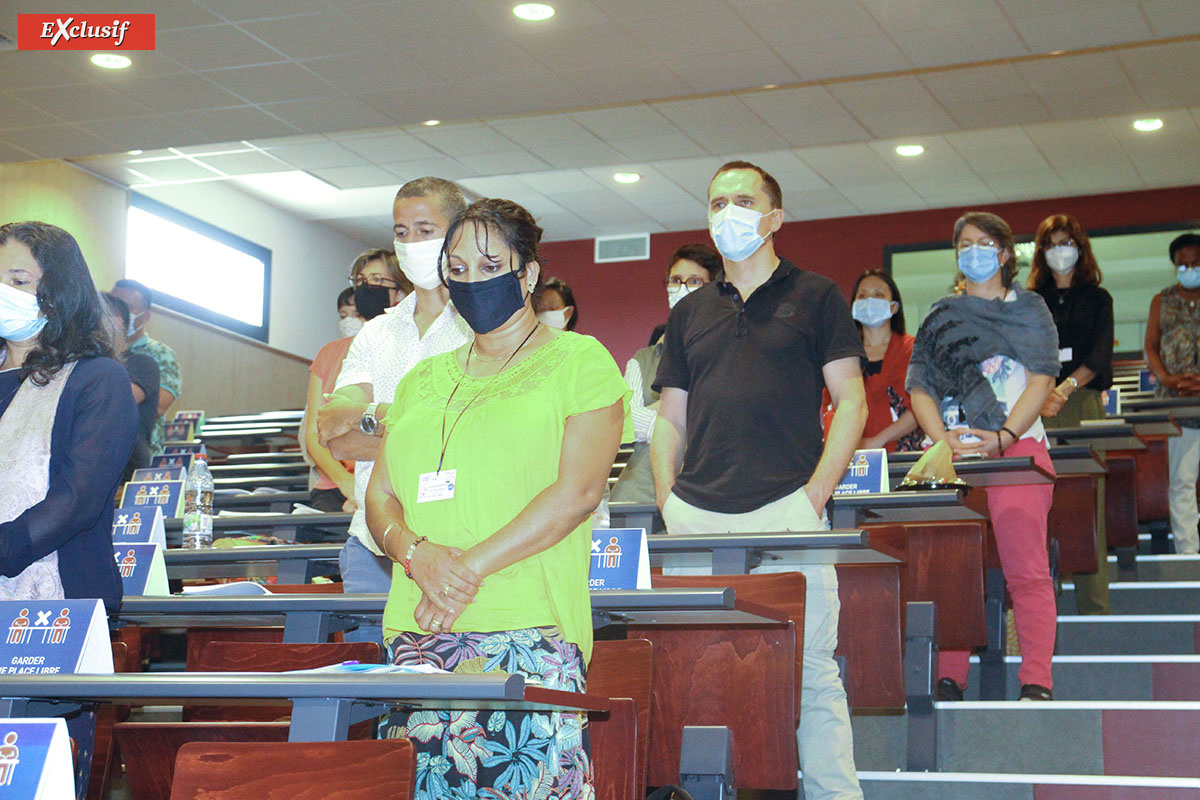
x,y
278,468
853,510
1113,436
288,563
277,502
978,472
286,482
285,526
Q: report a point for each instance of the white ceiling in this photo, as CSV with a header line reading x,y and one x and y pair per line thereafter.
x,y
317,106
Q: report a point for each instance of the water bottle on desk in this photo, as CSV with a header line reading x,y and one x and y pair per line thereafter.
x,y
198,504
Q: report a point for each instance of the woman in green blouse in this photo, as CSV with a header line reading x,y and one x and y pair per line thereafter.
x,y
494,459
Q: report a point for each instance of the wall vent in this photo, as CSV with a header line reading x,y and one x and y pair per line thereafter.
x,y
632,247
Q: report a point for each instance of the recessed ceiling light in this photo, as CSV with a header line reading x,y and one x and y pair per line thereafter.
x,y
909,150
111,61
533,12
770,86
429,123
1147,125
626,177
134,152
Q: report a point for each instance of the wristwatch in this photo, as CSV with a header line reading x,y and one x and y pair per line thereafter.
x,y
369,424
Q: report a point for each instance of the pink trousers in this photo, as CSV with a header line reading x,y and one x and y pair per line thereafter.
x,y
1018,515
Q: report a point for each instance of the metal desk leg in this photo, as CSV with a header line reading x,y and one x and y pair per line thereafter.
x,y
992,678
706,762
294,570
843,518
1160,532
320,720
920,658
1127,569
308,626
732,561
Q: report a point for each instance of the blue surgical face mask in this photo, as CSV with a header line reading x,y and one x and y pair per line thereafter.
x,y
487,304
871,311
1189,277
734,231
979,262
20,314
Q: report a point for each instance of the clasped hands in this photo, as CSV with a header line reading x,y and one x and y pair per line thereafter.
x,y
988,444
1185,383
448,585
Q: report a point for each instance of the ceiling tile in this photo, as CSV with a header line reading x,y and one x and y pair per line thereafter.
x,y
709,72
579,154
893,106
224,124
940,175
143,133
997,151
856,55
1009,186
186,92
440,166
786,167
673,34
651,148
21,114
915,15
270,82
166,15
1165,76
457,140
721,124
83,103
817,204
625,83
848,165
387,148
214,47
326,113
1166,157
1098,23
503,163
347,72
37,69
692,174
944,45
806,116
1085,155
239,10
884,198
1171,17
787,25
356,177
552,182
170,169
250,163
8,153
632,122
314,35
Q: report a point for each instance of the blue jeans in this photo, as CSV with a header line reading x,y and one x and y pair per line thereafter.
x,y
363,572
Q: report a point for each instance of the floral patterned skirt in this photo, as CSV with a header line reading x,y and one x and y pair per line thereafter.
x,y
498,755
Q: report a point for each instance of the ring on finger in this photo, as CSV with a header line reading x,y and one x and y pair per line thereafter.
x,y
445,591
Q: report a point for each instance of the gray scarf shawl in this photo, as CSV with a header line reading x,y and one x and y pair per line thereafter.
x,y
961,332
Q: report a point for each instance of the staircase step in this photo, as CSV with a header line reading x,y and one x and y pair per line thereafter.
x,y
1058,738
1106,677
992,786
1142,597
1162,567
1129,634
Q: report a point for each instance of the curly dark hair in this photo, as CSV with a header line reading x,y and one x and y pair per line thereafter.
x,y
76,321
512,222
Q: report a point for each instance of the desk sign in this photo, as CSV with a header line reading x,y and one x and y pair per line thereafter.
x,y
135,524
171,461
55,636
142,569
620,559
35,760
159,474
183,448
194,417
1111,398
184,431
1146,381
867,473
167,495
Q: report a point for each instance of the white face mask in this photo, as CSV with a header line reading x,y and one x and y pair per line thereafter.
x,y
677,293
349,326
419,262
20,316
734,231
555,318
1062,258
132,330
871,311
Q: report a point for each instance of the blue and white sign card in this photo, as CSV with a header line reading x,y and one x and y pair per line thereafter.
x,y
195,417
35,760
171,461
159,474
1111,398
1146,381
167,495
184,431
620,559
143,571
183,447
132,524
54,636
867,473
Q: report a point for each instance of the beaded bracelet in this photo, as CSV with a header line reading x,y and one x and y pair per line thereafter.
x,y
406,563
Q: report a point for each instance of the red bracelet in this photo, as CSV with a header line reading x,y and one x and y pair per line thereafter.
x,y
408,556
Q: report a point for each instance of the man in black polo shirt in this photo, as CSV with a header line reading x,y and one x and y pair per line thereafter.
x,y
737,446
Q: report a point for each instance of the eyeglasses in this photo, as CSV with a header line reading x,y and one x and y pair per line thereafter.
x,y
984,242
694,282
373,280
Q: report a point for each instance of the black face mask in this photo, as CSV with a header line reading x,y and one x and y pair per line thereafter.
x,y
370,301
487,304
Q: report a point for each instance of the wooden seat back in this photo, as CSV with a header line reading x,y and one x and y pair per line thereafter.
x,y
1072,522
614,741
1121,500
623,668
149,748
293,770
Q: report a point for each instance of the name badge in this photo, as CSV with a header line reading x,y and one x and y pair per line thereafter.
x,y
1065,354
436,486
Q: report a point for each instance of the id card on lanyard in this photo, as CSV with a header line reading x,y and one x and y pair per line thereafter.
x,y
433,486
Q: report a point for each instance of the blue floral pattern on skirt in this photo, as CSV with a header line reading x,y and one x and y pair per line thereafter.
x,y
498,755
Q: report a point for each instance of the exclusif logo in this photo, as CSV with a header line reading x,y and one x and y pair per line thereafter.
x,y
85,32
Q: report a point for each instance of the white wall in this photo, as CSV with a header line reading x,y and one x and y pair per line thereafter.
x,y
309,261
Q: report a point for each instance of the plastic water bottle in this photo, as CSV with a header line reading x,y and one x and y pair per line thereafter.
x,y
198,504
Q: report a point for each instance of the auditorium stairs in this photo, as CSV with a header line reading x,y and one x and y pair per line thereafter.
x,y
1125,723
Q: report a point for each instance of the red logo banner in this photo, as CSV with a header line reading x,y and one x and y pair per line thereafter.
x,y
85,31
